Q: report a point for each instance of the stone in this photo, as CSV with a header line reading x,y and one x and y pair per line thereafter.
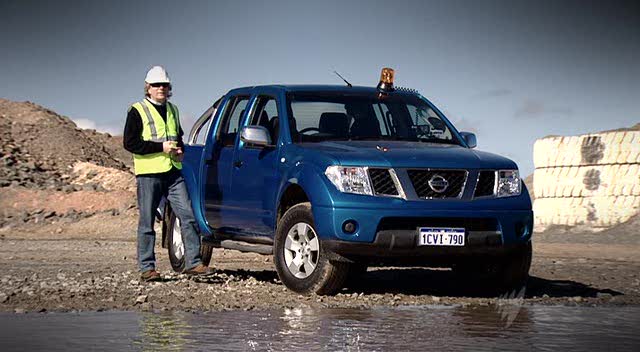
x,y
435,299
19,311
3,297
141,299
604,295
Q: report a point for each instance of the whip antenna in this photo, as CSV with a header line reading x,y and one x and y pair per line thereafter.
x,y
345,81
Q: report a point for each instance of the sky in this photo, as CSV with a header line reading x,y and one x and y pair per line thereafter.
x,y
509,71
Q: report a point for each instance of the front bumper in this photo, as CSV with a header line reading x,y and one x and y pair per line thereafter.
x,y
393,232
400,248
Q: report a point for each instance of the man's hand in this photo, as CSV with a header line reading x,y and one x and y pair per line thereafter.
x,y
168,147
177,155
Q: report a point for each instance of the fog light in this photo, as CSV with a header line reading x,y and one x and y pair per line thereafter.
x,y
349,226
522,229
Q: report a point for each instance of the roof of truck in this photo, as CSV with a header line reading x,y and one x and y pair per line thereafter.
x,y
319,88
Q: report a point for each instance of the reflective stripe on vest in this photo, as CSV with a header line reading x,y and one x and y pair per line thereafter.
x,y
155,129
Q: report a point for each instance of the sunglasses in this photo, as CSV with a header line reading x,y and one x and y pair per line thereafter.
x,y
156,85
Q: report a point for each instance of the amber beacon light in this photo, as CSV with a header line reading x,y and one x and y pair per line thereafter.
x,y
386,80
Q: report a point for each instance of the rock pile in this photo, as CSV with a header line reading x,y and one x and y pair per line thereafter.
x,y
42,216
51,171
102,178
38,148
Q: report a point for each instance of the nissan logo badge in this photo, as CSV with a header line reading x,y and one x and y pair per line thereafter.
x,y
438,183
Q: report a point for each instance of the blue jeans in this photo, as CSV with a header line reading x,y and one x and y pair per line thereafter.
x,y
150,190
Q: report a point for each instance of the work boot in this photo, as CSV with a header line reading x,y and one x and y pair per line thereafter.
x,y
150,275
199,270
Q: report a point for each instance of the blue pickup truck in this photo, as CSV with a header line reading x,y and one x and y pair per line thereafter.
x,y
333,179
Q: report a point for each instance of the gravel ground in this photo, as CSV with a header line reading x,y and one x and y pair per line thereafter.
x,y
84,269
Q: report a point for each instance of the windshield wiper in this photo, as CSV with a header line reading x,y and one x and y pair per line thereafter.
x,y
438,141
373,138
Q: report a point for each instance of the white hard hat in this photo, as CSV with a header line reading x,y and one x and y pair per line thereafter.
x,y
157,74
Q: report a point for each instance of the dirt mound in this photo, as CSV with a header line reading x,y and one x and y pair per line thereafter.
x,y
106,178
38,148
630,227
635,127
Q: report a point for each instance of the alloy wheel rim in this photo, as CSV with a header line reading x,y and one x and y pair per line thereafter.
x,y
301,250
177,246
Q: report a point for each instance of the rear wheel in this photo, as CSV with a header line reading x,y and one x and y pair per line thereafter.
x,y
300,261
176,247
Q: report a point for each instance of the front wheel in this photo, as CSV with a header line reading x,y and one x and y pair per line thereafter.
x,y
300,261
506,274
176,246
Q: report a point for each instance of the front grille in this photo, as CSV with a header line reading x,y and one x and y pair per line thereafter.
x,y
382,182
411,223
454,180
486,184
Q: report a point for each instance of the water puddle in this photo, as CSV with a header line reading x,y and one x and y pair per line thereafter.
x,y
503,327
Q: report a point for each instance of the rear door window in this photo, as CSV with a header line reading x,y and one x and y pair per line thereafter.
x,y
201,128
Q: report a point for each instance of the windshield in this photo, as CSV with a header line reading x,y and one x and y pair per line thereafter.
x,y
333,116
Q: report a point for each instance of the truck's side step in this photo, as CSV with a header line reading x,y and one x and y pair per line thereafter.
x,y
242,246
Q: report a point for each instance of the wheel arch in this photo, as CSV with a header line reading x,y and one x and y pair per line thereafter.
x,y
292,195
303,183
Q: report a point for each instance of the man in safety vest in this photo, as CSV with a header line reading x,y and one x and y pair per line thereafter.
x,y
153,134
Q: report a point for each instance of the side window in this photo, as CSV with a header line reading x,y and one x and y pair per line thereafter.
x,y
231,121
201,127
266,115
201,133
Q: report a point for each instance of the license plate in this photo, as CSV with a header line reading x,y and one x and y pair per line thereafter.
x,y
438,236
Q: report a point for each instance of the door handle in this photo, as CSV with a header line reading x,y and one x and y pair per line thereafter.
x,y
237,163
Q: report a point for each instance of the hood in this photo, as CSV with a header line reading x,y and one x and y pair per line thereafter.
x,y
404,154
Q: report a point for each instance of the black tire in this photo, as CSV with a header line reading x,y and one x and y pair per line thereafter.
x,y
502,275
326,278
177,260
356,271
515,272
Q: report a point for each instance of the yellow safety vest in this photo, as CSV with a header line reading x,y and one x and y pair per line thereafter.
x,y
155,129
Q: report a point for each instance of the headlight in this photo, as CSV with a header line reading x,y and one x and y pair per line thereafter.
x,y
508,183
349,179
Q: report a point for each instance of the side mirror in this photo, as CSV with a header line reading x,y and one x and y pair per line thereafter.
x,y
470,139
255,135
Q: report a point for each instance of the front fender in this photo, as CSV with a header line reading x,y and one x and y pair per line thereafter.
x,y
311,179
